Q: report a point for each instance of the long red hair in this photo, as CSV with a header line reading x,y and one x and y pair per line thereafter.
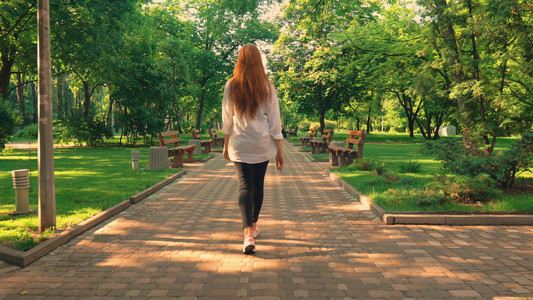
x,y
249,86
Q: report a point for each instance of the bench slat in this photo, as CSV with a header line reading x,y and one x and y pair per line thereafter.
x,y
171,141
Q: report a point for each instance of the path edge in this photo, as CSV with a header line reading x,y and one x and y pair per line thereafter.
x,y
23,259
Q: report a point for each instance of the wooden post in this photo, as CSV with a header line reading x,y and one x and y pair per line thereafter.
x,y
47,197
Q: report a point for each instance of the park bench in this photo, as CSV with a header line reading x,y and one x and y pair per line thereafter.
x,y
293,131
305,139
204,144
344,156
178,152
217,141
321,146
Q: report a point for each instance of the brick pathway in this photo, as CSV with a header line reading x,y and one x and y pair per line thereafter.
x,y
316,243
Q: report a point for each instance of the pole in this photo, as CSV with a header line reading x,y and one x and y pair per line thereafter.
x,y
47,201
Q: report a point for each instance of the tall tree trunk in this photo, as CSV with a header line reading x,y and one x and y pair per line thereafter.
x,y
480,98
86,99
34,102
321,114
20,95
5,72
60,96
109,118
450,44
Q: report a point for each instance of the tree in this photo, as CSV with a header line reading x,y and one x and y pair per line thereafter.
x,y
17,37
313,72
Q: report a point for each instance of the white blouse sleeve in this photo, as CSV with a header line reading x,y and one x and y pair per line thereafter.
x,y
227,112
273,113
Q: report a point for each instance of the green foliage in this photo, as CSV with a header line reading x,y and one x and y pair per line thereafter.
x,y
409,167
83,130
462,157
29,131
7,123
466,189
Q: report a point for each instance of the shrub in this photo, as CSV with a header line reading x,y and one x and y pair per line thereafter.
x,y
466,189
8,121
30,131
462,157
83,130
410,167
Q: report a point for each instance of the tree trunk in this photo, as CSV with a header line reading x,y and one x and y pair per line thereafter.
x,y
5,73
86,100
20,96
480,100
200,109
60,96
369,119
34,102
450,43
321,107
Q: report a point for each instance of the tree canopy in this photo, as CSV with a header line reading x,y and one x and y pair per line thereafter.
x,y
140,66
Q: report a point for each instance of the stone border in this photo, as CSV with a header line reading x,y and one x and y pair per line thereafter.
x,y
23,259
431,219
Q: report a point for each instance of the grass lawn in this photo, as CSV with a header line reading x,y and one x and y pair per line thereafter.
x,y
394,156
87,180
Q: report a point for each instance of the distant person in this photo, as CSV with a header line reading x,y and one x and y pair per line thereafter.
x,y
252,134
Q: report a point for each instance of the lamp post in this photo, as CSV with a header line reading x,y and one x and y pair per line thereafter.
x,y
47,201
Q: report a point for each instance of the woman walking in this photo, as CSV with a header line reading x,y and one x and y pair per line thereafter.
x,y
252,134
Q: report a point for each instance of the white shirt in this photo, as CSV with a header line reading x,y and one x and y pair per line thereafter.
x,y
252,141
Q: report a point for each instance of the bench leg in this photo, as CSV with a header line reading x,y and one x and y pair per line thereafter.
x,y
177,162
190,157
334,159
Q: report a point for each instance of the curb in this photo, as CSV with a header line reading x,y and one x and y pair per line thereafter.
x,y
431,219
23,259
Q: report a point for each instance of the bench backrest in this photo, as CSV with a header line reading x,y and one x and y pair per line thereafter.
x,y
313,132
212,133
169,137
327,134
195,134
357,138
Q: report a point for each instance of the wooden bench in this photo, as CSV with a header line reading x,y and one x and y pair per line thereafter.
x,y
293,131
178,152
344,156
217,141
321,146
305,139
205,144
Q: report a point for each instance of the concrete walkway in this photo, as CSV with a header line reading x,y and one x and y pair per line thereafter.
x,y
185,242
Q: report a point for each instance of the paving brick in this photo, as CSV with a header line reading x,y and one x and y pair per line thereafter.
x,y
317,242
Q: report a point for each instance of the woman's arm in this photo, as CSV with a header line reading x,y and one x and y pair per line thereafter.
x,y
280,159
226,143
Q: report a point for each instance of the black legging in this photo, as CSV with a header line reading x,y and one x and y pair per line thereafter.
x,y
251,188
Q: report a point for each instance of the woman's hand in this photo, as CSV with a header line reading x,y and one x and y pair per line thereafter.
x,y
225,153
280,161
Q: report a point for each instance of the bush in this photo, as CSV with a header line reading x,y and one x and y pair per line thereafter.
x,y
30,131
83,130
8,121
410,167
466,189
462,157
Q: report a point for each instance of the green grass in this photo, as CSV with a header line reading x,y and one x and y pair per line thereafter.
x,y
87,181
396,155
